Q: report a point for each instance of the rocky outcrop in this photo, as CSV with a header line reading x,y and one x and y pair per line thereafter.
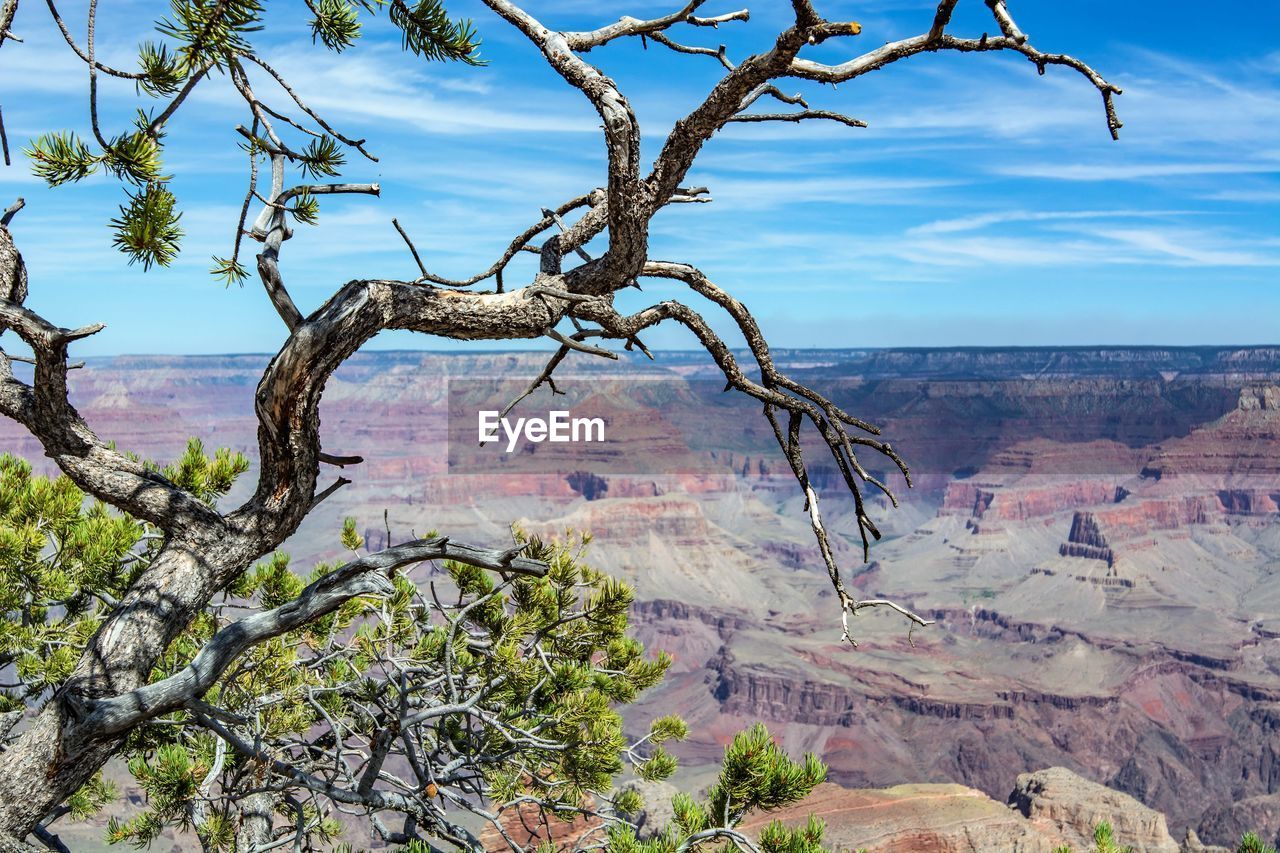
x,y
1072,806
1241,443
1047,810
1134,519
662,610
914,819
1192,844
656,811
1259,398
1014,503
1260,815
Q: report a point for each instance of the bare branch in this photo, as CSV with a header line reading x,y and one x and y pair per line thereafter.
x,y
273,229
337,484
628,26
555,217
44,409
357,144
542,378
1012,39
4,142
412,249
288,396
12,210
628,212
71,42
719,53
573,342
800,116
8,9
595,199
366,576
339,461
50,840
941,18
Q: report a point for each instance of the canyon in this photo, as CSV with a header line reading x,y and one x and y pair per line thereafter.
x,y
1094,531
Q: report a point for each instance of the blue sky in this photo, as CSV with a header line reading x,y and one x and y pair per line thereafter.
x,y
984,205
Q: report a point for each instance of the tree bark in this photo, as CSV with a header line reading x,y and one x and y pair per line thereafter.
x,y
256,819
55,755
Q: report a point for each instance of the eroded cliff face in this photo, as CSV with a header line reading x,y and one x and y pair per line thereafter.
x,y
1095,532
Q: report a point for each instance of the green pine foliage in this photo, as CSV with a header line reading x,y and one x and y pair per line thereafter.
x,y
299,688
229,271
61,158
64,561
1252,843
162,72
147,228
1104,841
211,32
755,775
428,32
515,683
322,158
336,24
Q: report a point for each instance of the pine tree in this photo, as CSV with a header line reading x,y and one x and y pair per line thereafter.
x,y
516,683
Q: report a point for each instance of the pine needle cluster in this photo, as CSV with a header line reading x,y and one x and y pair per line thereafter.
x,y
755,775
201,39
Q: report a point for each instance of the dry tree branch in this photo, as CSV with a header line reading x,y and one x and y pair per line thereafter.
x,y
776,391
272,228
11,211
357,144
666,41
800,116
412,248
544,377
365,576
71,42
937,39
4,141
628,210
45,410
594,199
628,26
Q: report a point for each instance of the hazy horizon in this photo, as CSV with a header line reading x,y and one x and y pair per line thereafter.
x,y
534,348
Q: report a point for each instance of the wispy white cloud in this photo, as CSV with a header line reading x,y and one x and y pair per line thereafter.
x,y
1248,196
1084,246
1195,248
1134,171
983,220
393,91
